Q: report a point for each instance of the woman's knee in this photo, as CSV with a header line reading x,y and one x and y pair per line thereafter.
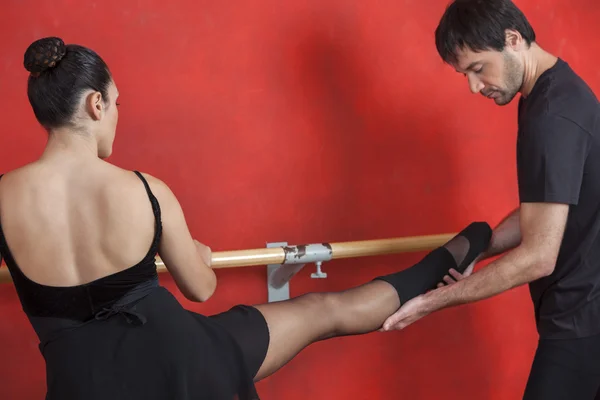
x,y
320,308
318,303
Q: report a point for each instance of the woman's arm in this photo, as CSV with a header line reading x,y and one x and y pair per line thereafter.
x,y
186,259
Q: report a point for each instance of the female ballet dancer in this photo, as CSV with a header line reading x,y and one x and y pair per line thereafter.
x,y
107,329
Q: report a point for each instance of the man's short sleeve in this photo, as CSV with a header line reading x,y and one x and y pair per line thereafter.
x,y
552,152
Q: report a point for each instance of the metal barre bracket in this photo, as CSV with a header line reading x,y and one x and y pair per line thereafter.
x,y
296,257
279,291
319,273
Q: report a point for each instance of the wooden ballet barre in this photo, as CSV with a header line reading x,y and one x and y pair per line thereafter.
x,y
303,254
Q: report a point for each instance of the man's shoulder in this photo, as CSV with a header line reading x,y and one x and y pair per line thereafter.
x,y
562,96
567,95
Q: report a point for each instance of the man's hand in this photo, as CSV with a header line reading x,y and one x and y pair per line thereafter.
x,y
412,311
457,276
421,306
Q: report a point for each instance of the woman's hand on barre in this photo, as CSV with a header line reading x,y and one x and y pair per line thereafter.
x,y
205,253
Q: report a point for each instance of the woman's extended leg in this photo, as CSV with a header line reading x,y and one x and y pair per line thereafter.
x,y
296,323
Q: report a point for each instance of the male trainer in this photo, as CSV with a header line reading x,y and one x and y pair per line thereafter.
x,y
552,240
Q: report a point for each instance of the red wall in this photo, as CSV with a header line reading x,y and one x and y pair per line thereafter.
x,y
306,121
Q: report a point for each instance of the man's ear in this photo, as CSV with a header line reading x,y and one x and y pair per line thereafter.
x,y
514,39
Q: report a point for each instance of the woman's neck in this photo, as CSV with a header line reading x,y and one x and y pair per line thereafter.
x,y
68,142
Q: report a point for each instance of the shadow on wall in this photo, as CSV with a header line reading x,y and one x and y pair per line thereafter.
x,y
390,172
389,164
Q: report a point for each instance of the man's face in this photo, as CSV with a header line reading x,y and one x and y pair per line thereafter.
x,y
496,75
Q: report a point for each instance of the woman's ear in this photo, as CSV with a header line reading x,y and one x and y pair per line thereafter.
x,y
95,105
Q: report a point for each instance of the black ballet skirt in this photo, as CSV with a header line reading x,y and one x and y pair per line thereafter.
x,y
125,337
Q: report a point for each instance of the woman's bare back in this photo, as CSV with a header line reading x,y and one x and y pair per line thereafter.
x,y
70,223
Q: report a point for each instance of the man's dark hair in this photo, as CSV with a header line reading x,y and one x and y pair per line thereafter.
x,y
479,25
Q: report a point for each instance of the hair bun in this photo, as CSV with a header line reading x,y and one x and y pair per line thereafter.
x,y
44,54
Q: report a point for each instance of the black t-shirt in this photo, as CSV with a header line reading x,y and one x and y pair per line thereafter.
x,y
558,161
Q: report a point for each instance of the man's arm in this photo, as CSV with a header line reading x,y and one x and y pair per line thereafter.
x,y
551,154
542,227
506,236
